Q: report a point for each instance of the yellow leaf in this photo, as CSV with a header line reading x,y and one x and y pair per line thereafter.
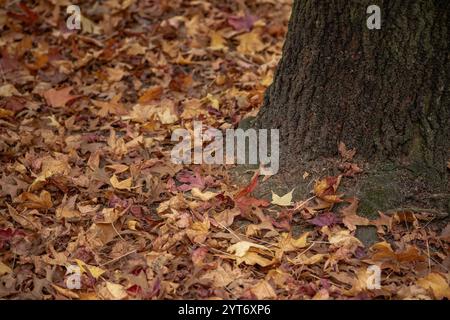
x,y
96,272
204,196
115,74
283,201
88,26
4,269
8,90
325,189
132,224
122,185
287,243
167,116
437,283
113,291
217,41
4,113
213,100
322,294
343,238
263,290
241,248
267,80
250,43
118,168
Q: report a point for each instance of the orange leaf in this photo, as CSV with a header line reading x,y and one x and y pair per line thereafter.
x,y
59,98
150,94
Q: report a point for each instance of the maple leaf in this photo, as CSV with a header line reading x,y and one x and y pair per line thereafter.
x,y
437,283
346,154
303,259
217,41
59,98
325,189
250,43
4,269
121,185
94,271
287,243
263,290
190,180
198,255
283,201
325,219
226,217
113,291
382,253
350,218
110,107
150,94
204,196
251,253
344,238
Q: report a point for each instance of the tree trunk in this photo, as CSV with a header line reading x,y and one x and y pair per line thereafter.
x,y
384,92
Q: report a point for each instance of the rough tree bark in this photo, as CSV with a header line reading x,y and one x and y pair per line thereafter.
x,y
384,92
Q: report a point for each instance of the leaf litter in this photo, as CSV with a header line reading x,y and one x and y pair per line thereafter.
x,y
86,178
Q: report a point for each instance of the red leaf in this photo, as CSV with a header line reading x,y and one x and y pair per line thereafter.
x,y
190,181
29,17
251,186
134,290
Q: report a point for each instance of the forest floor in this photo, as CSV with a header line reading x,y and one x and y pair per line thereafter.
x,y
88,188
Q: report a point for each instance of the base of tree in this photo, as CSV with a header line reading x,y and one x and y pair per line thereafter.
x,y
381,187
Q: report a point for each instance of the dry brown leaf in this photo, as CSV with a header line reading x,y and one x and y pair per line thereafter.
x,y
263,290
437,283
59,98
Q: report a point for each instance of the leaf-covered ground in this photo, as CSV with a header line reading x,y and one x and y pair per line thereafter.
x,y
86,179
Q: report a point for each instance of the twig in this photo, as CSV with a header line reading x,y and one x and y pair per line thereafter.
x,y
116,259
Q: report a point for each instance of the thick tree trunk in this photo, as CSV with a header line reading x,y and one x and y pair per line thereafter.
x,y
384,92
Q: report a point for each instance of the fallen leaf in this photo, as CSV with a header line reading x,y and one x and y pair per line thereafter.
x,y
204,196
251,253
263,290
96,272
113,291
59,98
350,217
326,189
4,269
217,41
283,201
32,201
66,292
150,94
437,283
121,185
344,238
250,43
346,154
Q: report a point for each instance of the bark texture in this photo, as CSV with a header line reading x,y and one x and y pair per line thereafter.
x,y
384,92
